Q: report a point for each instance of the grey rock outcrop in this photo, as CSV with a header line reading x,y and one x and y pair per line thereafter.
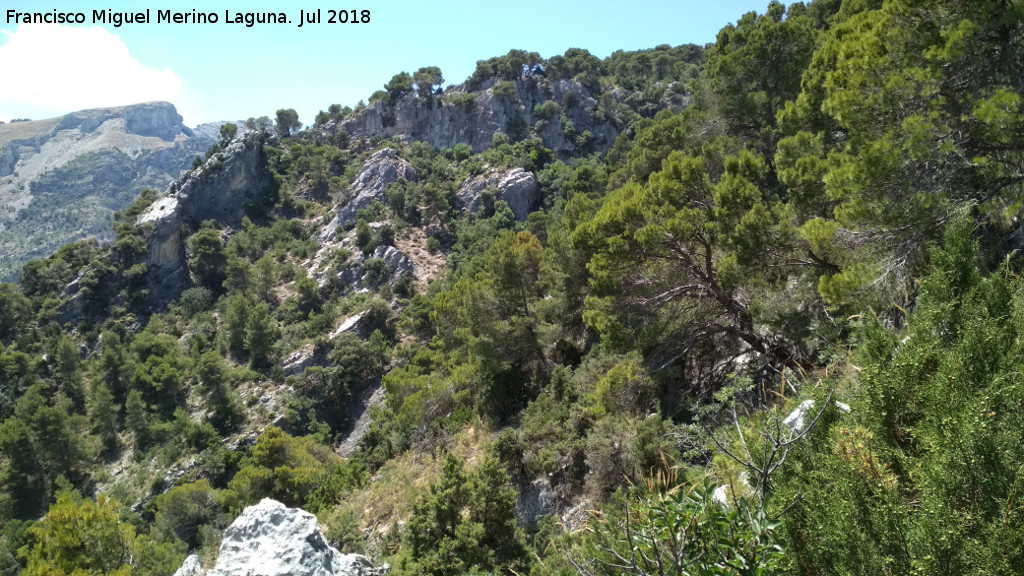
x,y
517,187
535,499
297,362
379,171
190,567
87,121
462,116
157,119
219,190
211,130
9,156
350,324
61,179
307,356
270,539
357,273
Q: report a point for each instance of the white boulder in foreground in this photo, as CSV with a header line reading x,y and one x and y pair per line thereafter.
x,y
270,539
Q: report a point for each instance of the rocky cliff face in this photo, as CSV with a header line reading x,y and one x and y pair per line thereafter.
x,y
517,187
219,190
380,170
156,119
474,117
270,539
61,179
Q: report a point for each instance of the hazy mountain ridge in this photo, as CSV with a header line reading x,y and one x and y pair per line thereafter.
x,y
61,179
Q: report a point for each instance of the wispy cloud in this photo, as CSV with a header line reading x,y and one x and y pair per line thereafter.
x,y
62,68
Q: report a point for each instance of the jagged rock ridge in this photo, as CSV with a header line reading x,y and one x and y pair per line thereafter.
x,y
219,190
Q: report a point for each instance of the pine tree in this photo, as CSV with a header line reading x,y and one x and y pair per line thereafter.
x,y
493,506
21,473
264,278
237,318
466,523
259,335
136,419
69,362
238,276
309,293
213,380
114,367
103,412
206,258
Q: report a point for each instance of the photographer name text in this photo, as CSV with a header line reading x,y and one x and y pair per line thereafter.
x,y
148,16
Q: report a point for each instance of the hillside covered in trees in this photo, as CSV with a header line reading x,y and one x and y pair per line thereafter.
x,y
748,308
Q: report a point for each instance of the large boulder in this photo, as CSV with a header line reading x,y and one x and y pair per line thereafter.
x,y
517,187
270,539
379,171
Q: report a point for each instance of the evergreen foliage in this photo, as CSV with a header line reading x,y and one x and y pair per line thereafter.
x,y
821,207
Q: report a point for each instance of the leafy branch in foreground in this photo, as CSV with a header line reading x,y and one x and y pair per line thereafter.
x,y
681,531
775,438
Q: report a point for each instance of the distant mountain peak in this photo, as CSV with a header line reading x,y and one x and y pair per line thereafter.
x,y
61,179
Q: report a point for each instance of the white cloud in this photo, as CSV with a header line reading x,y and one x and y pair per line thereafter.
x,y
50,67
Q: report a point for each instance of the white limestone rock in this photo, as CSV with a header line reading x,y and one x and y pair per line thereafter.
x,y
190,567
356,275
219,190
517,187
270,539
380,170
795,419
449,119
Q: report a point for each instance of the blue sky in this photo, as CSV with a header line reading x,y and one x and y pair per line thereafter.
x,y
227,71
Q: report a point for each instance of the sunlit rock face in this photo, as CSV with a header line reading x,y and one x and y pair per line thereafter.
x,y
219,191
445,120
270,539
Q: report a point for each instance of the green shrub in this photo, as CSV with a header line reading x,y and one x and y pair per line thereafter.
x,y
505,90
465,101
681,530
377,270
195,300
185,509
546,110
